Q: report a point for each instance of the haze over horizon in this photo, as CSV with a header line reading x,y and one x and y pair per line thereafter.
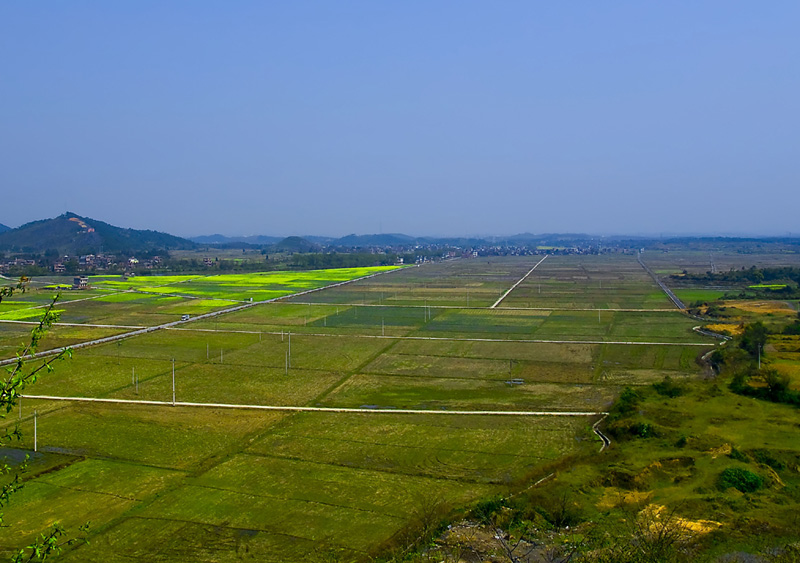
x,y
419,118
487,236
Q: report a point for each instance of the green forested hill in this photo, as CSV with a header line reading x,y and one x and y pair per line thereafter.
x,y
72,234
295,244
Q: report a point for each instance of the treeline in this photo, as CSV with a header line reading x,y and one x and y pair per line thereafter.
x,y
750,275
319,261
751,375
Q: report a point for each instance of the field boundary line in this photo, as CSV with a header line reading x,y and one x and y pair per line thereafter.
x,y
172,324
61,303
71,324
449,339
614,309
185,295
308,409
522,279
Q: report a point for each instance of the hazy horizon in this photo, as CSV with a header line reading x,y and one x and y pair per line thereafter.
x,y
428,119
662,234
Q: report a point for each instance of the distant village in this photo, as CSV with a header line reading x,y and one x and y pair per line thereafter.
x,y
85,263
398,254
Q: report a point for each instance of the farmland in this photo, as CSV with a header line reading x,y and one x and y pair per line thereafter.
x,y
215,484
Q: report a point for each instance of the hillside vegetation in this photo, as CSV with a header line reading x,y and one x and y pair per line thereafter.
x,y
72,234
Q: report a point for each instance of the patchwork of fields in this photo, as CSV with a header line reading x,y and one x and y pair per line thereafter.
x,y
166,483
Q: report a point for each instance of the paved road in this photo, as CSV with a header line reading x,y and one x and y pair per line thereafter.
x,y
309,409
606,440
513,287
674,298
711,333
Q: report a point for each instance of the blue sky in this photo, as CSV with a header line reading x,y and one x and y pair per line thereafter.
x,y
428,118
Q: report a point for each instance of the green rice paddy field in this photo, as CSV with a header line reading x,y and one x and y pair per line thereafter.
x,y
163,483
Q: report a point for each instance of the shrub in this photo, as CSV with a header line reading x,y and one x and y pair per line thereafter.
x,y
738,455
627,403
793,329
668,388
486,509
643,430
559,511
740,479
765,457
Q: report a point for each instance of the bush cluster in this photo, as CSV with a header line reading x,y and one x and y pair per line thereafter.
x,y
741,479
669,388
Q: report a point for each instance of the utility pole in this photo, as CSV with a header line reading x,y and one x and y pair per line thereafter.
x,y
173,382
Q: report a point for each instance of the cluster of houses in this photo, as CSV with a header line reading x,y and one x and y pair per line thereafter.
x,y
85,263
426,252
100,262
16,263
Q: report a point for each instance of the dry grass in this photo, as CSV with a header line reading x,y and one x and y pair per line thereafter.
x,y
763,307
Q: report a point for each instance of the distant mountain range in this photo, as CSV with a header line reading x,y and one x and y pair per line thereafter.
x,y
75,235
295,244
390,239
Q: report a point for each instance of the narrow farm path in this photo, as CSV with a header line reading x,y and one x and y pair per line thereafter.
x,y
457,307
89,325
310,409
513,287
451,338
